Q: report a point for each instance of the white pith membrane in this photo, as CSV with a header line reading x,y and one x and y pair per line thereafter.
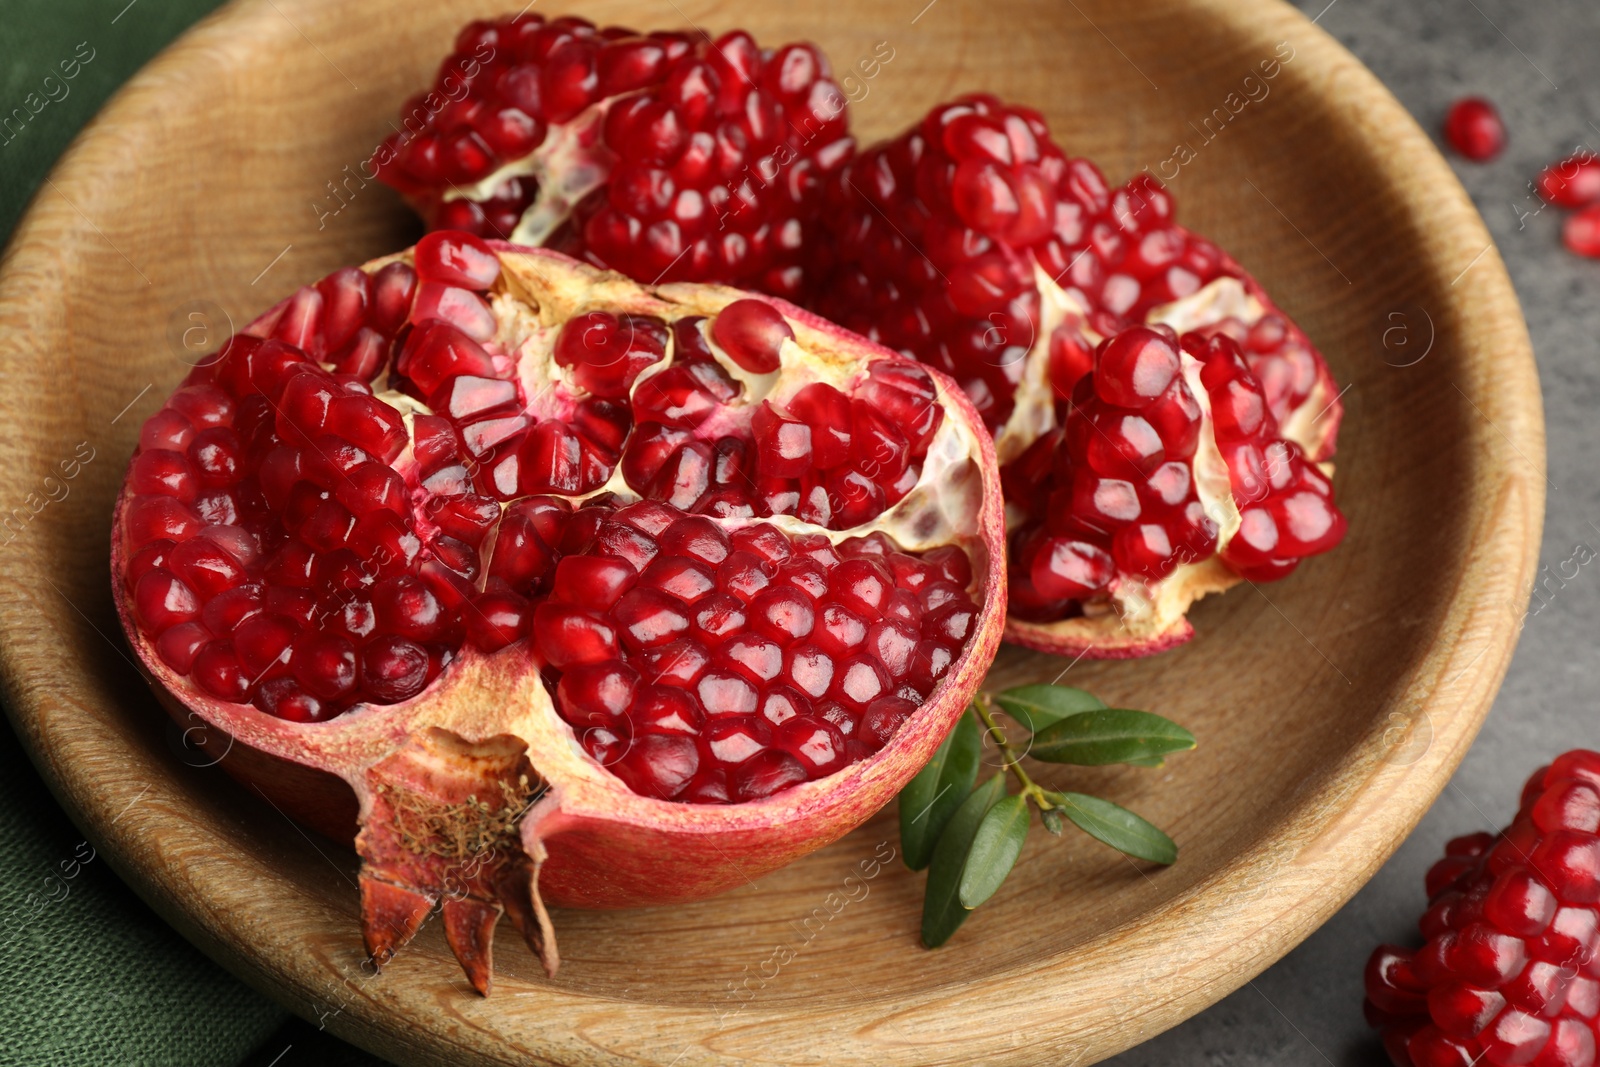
x,y
568,165
484,738
1137,616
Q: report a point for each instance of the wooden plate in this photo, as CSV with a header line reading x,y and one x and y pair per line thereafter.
x,y
1331,706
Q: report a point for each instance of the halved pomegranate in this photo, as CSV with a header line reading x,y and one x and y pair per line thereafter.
x,y
667,156
561,588
1138,477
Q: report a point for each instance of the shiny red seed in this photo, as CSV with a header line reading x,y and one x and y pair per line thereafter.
x,y
453,258
1473,128
1581,232
1573,182
393,669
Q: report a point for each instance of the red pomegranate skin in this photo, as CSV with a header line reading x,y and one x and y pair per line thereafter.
x,y
473,746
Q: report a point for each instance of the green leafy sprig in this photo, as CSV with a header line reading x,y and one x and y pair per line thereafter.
x,y
969,835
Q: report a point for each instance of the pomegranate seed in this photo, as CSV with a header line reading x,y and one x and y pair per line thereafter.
x,y
752,332
216,669
393,669
1573,182
1581,232
1473,128
162,601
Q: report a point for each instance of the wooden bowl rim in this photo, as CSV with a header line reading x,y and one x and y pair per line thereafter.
x,y
1348,840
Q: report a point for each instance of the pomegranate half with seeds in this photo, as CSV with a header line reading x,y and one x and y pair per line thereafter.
x,y
667,156
556,587
1140,473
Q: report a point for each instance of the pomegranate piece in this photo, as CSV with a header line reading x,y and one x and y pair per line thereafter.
x,y
973,242
550,557
666,156
1134,488
1507,972
1473,128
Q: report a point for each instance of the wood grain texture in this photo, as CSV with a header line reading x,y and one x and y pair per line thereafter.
x,y
1331,707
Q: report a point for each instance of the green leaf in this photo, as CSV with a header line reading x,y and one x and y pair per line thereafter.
x,y
1037,706
995,848
929,799
1111,735
1117,827
942,913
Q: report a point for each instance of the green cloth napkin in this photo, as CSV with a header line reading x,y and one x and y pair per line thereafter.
x,y
90,976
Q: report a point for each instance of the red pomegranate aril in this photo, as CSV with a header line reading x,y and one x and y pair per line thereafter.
x,y
1474,128
456,259
1065,569
569,636
216,669
752,332
733,739
280,697
596,693
881,718
164,473
325,665
664,710
179,645
813,741
163,601
859,681
1135,368
205,567
723,693
155,518
1581,232
1573,182
167,430
764,774
262,642
658,765
393,669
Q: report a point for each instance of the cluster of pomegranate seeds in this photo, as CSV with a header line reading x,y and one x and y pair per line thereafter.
x,y
714,662
1509,972
936,237
295,542
273,552
1112,493
666,156
828,457
1473,127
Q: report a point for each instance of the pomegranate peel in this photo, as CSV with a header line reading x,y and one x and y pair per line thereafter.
x,y
472,789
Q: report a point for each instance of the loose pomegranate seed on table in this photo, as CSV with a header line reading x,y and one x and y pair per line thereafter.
x,y
375,481
1581,232
1508,972
1473,127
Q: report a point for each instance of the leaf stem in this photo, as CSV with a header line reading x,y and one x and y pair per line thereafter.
x,y
1030,789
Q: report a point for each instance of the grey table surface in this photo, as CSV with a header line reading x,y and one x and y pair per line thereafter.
x,y
1536,60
